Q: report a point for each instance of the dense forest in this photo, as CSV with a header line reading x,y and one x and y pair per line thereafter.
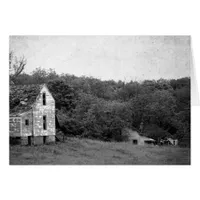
x,y
92,108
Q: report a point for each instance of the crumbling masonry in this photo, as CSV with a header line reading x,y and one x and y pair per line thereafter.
x,y
32,114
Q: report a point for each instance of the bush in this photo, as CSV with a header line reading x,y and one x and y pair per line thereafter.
x,y
64,95
155,132
105,120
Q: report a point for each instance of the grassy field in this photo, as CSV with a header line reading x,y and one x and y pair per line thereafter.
x,y
91,152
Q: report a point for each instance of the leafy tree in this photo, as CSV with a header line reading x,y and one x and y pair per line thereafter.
x,y
156,132
162,106
156,108
128,91
163,84
64,95
105,120
89,107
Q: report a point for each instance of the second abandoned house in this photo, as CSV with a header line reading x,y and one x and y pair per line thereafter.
x,y
32,114
137,139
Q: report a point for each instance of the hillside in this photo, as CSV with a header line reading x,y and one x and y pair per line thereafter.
x,y
92,108
93,152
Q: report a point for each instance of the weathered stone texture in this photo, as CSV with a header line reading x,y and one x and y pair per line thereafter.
x,y
15,126
27,130
40,110
34,130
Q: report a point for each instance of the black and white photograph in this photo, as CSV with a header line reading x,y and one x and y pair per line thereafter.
x,y
99,100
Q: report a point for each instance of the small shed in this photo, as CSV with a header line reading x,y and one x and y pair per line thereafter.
x,y
172,141
138,139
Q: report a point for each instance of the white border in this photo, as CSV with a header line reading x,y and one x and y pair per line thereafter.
x,y
98,18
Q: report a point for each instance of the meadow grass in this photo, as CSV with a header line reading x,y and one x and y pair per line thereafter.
x,y
92,152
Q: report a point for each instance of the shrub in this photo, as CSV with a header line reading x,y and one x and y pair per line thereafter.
x,y
155,132
105,120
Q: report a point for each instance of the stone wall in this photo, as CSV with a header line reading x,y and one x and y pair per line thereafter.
x,y
40,110
27,130
15,126
34,130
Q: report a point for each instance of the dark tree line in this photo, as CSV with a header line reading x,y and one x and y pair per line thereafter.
x,y
89,107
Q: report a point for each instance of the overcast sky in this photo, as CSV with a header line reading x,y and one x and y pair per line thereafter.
x,y
107,57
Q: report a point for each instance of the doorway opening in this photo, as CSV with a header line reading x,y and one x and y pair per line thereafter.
x,y
29,140
44,139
